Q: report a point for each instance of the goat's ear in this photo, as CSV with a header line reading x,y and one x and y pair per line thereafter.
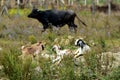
x,y
58,45
60,48
53,48
42,47
39,43
22,47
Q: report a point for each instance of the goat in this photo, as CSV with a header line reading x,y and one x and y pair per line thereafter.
x,y
33,50
60,53
83,48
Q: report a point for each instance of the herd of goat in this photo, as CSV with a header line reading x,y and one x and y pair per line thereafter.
x,y
36,50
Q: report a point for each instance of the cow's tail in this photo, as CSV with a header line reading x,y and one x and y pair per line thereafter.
x,y
81,21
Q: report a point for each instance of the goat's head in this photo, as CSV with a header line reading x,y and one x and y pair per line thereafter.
x,y
80,43
39,44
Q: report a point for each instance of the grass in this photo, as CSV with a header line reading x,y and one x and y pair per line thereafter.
x,y
102,29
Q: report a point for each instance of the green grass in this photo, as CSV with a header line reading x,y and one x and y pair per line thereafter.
x,y
21,12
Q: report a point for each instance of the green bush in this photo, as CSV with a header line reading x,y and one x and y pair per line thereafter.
x,y
22,12
32,39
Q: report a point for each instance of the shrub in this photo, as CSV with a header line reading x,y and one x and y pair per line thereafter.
x,y
14,68
113,75
32,39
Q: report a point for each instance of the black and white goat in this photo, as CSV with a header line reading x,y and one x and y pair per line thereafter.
x,y
83,48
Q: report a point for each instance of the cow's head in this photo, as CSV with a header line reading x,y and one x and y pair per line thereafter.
x,y
34,13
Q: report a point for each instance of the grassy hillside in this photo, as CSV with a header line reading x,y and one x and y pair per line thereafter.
x,y
17,30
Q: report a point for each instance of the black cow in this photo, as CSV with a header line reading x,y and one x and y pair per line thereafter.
x,y
57,18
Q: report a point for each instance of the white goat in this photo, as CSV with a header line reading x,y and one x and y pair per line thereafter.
x,y
83,48
60,53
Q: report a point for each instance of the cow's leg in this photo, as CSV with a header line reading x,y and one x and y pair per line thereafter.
x,y
56,28
72,24
72,27
45,26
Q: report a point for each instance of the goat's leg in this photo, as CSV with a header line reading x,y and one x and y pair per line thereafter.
x,y
76,53
58,62
57,59
79,54
60,59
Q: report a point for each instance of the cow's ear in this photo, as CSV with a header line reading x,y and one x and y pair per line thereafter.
x,y
34,10
38,10
34,7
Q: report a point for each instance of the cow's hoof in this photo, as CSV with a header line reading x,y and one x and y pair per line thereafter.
x,y
43,30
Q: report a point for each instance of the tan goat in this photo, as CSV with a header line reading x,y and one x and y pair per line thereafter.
x,y
33,50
